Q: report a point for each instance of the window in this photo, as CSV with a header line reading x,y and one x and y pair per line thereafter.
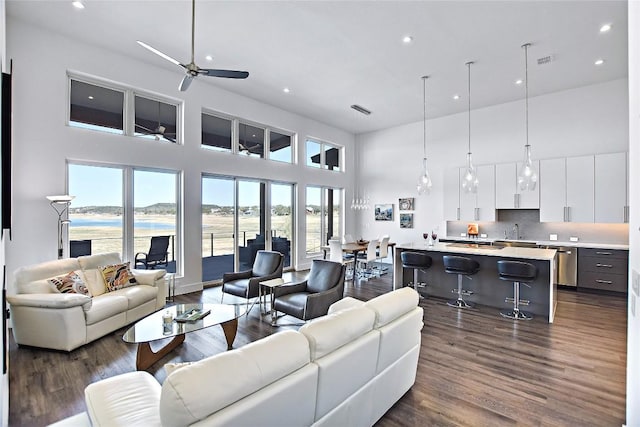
x,y
101,211
155,119
280,147
104,107
324,155
216,132
250,140
323,217
97,211
97,108
313,154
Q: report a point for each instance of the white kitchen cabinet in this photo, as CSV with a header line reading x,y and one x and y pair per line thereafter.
x,y
508,195
611,189
567,189
451,200
479,206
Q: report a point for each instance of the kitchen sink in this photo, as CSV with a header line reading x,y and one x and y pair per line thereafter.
x,y
516,243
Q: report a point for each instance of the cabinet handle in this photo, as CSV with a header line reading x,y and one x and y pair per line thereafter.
x,y
568,213
603,253
606,282
626,214
476,214
564,214
458,214
604,265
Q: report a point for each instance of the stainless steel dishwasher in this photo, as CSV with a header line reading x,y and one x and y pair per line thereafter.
x,y
566,265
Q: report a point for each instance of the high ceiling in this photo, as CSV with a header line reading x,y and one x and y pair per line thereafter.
x,y
335,54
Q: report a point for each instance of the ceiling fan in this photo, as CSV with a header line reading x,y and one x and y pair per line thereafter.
x,y
191,68
159,132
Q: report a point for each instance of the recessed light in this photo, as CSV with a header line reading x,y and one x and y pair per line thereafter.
x,y
209,58
605,28
456,97
78,4
90,97
518,82
407,39
599,61
286,90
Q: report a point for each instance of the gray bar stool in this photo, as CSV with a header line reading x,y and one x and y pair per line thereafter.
x,y
462,266
517,272
416,261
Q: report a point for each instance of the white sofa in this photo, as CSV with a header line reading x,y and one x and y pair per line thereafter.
x,y
346,368
43,317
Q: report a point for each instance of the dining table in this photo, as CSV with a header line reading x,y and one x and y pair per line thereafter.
x,y
356,247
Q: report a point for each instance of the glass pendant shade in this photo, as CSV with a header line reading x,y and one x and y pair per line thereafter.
x,y
527,176
424,181
470,178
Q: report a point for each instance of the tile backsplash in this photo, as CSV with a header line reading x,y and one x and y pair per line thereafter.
x,y
530,228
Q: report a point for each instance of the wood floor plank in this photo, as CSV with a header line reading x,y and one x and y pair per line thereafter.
x,y
475,368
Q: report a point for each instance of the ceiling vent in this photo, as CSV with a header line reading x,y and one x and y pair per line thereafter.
x,y
545,60
361,109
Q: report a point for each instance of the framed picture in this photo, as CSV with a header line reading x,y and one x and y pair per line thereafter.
x,y
384,212
406,204
406,220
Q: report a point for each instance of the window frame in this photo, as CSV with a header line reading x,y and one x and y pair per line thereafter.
x,y
323,215
324,145
128,108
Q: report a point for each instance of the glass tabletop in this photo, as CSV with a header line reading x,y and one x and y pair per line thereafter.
x,y
151,328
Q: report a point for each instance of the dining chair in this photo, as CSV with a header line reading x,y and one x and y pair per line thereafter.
x,y
366,259
336,255
382,253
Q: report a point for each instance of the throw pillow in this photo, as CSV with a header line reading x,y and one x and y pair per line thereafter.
x,y
70,283
117,276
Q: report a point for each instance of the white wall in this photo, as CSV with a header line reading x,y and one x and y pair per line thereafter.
x,y
586,120
633,322
43,143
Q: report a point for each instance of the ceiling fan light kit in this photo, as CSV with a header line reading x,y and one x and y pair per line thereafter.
x,y
527,176
192,70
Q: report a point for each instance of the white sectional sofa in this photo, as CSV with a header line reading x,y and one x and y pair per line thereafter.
x,y
343,369
43,317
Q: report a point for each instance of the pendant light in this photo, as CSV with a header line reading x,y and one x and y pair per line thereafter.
x,y
527,176
470,179
424,181
360,201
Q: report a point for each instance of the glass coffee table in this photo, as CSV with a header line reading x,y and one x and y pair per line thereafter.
x,y
152,328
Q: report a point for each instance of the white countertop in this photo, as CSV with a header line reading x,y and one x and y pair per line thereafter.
x,y
506,252
543,242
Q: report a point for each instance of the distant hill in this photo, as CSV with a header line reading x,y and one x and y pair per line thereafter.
x,y
169,209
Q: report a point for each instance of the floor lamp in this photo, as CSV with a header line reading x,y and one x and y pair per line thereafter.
x,y
60,204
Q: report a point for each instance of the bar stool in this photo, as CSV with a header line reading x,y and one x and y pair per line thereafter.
x,y
416,261
461,266
517,272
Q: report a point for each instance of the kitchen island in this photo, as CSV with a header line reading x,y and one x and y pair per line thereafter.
x,y
486,286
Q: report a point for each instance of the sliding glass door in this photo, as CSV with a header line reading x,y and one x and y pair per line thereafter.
x,y
241,217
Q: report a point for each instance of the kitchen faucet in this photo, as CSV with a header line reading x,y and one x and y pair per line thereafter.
x,y
516,232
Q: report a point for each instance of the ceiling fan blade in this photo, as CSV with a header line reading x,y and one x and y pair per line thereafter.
x,y
230,74
185,83
157,52
144,128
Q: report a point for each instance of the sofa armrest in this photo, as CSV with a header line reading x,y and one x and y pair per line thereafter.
x,y
128,399
61,301
149,277
226,277
344,304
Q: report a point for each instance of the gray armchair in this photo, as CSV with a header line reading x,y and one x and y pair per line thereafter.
x,y
310,299
267,265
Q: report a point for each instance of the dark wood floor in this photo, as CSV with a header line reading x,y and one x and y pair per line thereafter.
x,y
475,368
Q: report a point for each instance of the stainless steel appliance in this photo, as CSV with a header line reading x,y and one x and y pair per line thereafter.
x,y
566,265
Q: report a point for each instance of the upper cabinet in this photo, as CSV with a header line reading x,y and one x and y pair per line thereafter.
x,y
508,195
567,189
480,206
611,189
451,200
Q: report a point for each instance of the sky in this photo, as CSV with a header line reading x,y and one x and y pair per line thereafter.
x,y
102,186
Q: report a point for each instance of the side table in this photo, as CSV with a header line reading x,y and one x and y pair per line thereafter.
x,y
269,287
170,281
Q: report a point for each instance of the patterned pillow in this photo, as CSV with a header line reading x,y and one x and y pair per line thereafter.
x,y
70,283
117,276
